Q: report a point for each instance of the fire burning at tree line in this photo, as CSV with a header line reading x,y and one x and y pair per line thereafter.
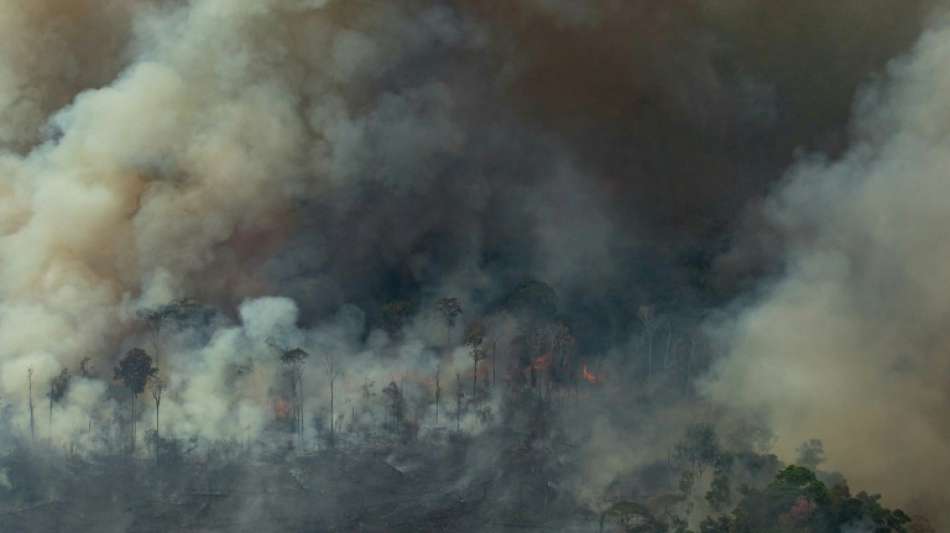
x,y
589,376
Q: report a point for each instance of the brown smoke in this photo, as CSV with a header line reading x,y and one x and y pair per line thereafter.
x,y
53,50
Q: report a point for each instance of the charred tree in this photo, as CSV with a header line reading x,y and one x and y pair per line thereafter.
x,y
158,387
86,372
397,423
134,370
450,309
474,338
458,402
293,361
494,346
58,386
438,394
29,377
332,373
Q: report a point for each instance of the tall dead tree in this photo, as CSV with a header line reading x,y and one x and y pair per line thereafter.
x,y
564,343
86,372
563,352
458,402
332,373
478,354
29,377
494,346
474,338
539,359
158,388
396,408
84,369
293,361
58,386
438,394
450,309
134,370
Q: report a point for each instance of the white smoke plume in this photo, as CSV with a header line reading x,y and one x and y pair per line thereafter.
x,y
169,181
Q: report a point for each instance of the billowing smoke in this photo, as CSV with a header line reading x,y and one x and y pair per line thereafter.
x,y
55,49
320,174
850,341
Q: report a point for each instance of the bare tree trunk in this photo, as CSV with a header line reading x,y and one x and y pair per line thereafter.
x,y
474,376
458,402
29,374
493,350
158,440
438,395
669,346
132,420
300,407
332,419
49,438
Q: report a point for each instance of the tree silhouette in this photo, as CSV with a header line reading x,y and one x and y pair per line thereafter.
x,y
450,309
396,407
293,360
58,386
158,387
474,338
438,393
134,370
458,402
29,377
84,369
333,372
395,314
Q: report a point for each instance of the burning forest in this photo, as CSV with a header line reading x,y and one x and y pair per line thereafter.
x,y
474,266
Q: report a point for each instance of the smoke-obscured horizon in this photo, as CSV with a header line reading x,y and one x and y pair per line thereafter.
x,y
743,187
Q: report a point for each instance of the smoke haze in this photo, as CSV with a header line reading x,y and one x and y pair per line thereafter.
x,y
768,180
862,278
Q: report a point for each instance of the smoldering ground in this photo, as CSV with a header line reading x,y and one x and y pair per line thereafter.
x,y
296,166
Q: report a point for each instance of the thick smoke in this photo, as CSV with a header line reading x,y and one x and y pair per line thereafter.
x,y
850,343
55,49
231,158
298,167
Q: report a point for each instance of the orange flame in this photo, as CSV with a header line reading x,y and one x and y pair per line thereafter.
x,y
589,376
542,362
281,409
